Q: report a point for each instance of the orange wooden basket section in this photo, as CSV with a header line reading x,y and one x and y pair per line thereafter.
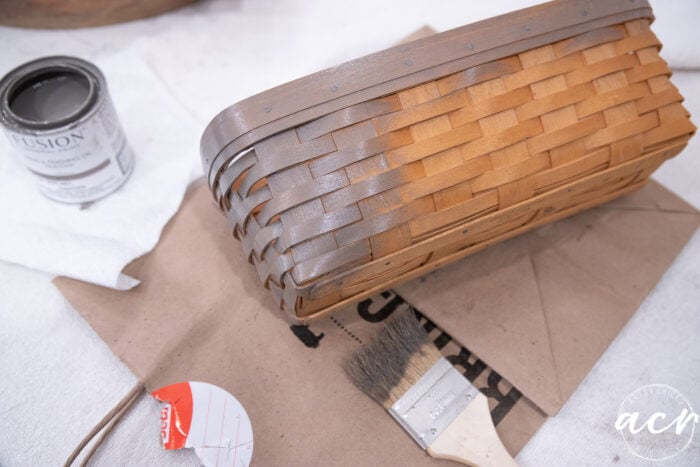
x,y
346,182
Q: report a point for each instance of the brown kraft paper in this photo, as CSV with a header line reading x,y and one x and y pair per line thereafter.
x,y
200,314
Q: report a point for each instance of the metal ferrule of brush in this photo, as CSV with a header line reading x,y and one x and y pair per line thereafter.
x,y
431,404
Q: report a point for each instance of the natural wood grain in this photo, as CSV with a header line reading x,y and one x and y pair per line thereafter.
x,y
472,439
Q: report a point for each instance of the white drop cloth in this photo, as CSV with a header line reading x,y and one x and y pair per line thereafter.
x,y
93,243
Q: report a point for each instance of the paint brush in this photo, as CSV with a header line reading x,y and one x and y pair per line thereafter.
x,y
443,412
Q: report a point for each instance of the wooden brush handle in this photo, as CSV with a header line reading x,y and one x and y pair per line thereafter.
x,y
472,439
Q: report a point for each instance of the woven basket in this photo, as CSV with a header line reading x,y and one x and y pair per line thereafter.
x,y
348,181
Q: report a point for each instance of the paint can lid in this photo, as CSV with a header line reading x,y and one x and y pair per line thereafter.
x,y
49,93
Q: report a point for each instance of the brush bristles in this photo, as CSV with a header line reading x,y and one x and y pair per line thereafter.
x,y
390,365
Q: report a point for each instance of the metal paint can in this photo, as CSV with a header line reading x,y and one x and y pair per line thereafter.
x,y
59,117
